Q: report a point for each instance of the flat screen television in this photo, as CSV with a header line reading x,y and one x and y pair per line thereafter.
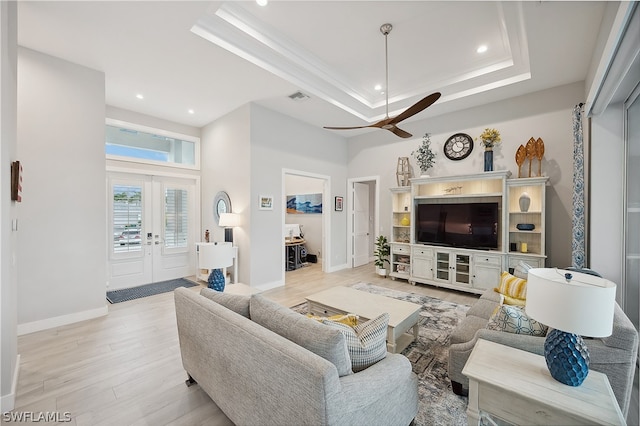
x,y
467,225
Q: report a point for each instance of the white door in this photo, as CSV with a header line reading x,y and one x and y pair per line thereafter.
x,y
152,227
361,237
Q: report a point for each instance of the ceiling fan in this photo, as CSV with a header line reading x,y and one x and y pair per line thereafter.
x,y
388,123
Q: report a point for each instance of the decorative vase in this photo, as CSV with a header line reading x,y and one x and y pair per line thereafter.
x,y
424,173
405,221
567,357
525,202
216,280
488,159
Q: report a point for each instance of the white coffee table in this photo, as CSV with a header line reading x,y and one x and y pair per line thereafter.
x,y
403,316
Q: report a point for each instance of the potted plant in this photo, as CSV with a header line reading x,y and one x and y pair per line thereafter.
x,y
382,254
424,156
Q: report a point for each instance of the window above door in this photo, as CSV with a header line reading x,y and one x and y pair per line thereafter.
x,y
141,144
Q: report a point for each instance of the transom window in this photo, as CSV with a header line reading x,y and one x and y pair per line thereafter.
x,y
129,142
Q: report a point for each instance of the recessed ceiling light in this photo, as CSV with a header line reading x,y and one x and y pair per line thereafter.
x,y
377,87
262,2
140,96
191,111
482,48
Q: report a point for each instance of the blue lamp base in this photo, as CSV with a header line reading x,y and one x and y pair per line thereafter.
x,y
216,280
567,357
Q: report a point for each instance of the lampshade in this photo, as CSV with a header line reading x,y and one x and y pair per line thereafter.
x,y
215,255
229,220
582,304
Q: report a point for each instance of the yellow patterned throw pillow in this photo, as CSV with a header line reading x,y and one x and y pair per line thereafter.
x,y
512,287
349,319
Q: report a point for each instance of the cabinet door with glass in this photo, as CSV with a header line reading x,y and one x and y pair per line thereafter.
x,y
452,267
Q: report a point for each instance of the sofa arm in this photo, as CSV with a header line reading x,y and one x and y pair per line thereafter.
x,y
384,394
379,378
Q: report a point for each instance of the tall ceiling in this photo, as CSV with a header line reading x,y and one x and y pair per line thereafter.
x,y
213,57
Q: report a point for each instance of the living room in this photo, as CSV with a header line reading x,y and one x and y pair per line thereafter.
x,y
243,152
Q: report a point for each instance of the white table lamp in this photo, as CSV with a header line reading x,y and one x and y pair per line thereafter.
x,y
215,257
574,305
229,221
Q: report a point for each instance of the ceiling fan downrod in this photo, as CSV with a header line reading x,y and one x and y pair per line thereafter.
x,y
385,29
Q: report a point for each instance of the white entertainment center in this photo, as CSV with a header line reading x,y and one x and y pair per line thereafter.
x,y
463,267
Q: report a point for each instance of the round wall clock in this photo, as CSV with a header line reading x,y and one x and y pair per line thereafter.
x,y
458,146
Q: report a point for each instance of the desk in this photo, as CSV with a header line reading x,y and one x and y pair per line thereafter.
x,y
204,276
296,251
516,386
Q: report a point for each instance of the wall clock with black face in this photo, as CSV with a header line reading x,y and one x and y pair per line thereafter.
x,y
458,146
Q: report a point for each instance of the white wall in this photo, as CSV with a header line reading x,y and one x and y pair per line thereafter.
x,y
62,245
8,209
311,224
279,142
225,165
545,114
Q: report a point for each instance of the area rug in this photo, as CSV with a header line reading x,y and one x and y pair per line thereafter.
x,y
125,294
437,404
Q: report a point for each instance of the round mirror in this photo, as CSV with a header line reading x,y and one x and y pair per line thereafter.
x,y
221,204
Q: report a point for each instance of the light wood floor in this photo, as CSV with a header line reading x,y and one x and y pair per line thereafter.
x,y
125,368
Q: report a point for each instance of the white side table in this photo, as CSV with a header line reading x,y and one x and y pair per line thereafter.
x,y
204,277
516,386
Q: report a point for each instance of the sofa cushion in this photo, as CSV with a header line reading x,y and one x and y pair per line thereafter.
x,y
366,342
235,302
522,270
483,308
513,319
466,330
512,286
324,341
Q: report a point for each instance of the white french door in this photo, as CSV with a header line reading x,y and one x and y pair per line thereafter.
x,y
152,228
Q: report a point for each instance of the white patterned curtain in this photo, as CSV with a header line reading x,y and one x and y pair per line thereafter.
x,y
578,245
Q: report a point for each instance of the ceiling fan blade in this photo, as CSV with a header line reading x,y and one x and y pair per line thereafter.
x,y
416,108
399,132
346,128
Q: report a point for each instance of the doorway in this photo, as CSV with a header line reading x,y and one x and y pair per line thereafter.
x,y
363,210
314,227
152,227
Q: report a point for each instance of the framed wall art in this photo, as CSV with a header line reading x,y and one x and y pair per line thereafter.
x,y
266,202
304,203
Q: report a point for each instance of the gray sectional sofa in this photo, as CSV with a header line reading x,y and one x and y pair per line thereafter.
x,y
258,377
614,356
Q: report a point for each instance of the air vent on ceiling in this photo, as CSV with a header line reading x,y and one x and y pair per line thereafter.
x,y
299,96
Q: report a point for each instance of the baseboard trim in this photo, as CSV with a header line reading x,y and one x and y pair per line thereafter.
x,y
269,286
45,324
337,268
8,402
